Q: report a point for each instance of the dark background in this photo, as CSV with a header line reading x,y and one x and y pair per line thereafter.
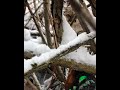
x,y
12,45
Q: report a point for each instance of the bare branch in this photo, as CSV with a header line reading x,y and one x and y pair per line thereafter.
x,y
36,23
29,85
83,12
33,14
37,84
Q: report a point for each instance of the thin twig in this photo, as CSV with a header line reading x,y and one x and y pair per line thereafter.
x,y
73,19
33,14
31,84
36,23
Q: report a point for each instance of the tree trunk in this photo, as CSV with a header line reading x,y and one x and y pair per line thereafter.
x,y
56,7
47,23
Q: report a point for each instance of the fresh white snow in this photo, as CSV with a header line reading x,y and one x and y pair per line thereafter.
x,y
27,35
68,33
81,55
34,31
37,40
45,57
36,48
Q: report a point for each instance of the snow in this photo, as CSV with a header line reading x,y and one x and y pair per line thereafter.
x,y
81,55
86,2
27,65
36,48
27,15
45,57
68,33
37,40
27,35
66,72
95,40
34,31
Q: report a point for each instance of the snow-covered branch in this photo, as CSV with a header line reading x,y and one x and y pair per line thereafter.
x,y
54,55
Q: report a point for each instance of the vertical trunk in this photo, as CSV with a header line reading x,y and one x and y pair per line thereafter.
x,y
56,8
47,24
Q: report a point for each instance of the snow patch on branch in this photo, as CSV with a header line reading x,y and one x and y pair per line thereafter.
x,y
37,40
36,48
45,57
68,33
34,31
81,55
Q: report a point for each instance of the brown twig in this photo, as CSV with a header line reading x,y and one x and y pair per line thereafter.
x,y
47,23
31,84
33,14
82,12
37,84
36,23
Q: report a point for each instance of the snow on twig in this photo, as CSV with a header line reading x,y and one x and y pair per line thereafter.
x,y
57,53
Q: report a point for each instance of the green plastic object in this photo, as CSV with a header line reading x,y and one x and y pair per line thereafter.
x,y
82,78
